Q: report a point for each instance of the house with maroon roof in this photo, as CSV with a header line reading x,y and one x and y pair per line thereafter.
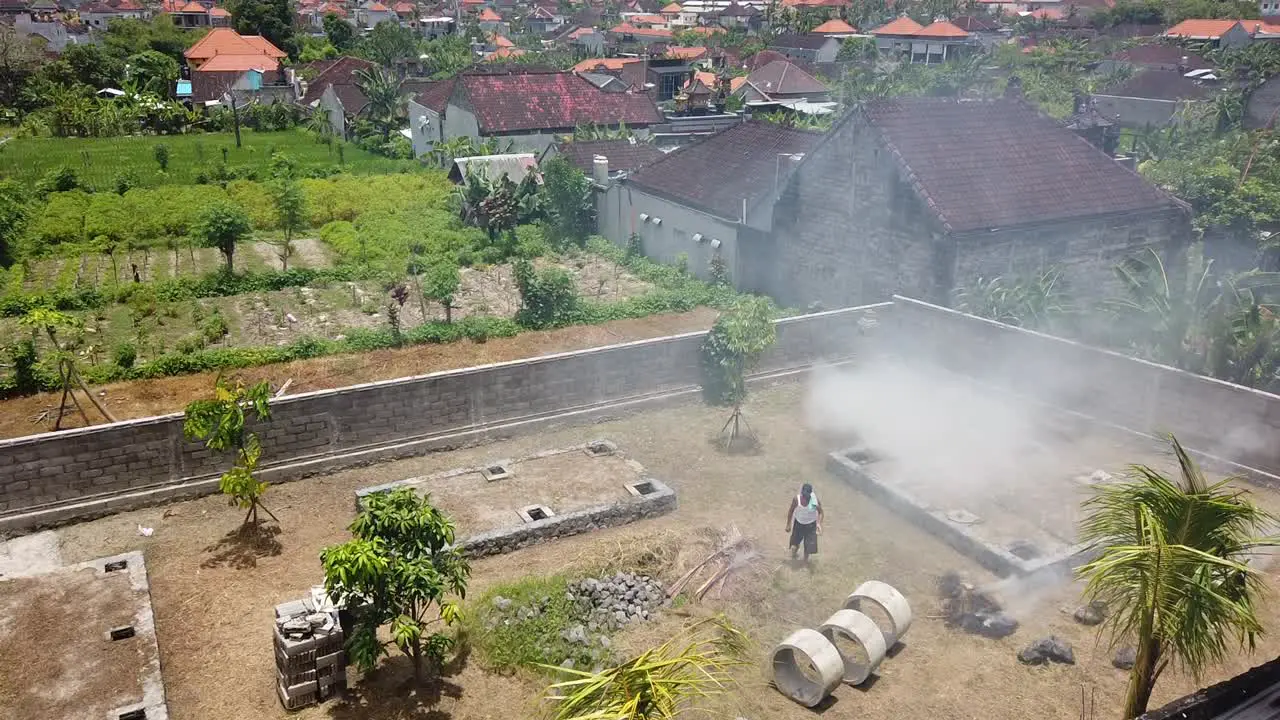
x,y
922,196
624,156
335,92
712,198
426,115
531,106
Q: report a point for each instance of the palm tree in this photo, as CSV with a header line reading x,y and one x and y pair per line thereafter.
x,y
382,91
658,684
1174,569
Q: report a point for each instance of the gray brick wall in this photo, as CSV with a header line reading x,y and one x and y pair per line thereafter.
x,y
56,468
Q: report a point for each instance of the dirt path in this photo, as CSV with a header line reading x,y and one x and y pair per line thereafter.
x,y
143,398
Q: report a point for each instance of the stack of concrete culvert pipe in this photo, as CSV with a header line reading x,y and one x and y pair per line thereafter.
x,y
809,665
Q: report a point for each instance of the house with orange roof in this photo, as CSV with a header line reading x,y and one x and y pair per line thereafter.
x,y
686,53
835,28
405,10
646,20
931,44
372,12
1218,33
488,20
628,34
226,62
196,14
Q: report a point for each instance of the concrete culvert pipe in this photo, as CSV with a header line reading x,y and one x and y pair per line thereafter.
x,y
807,667
885,605
858,640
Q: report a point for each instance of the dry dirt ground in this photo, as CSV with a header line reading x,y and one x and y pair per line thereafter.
x,y
213,597
142,398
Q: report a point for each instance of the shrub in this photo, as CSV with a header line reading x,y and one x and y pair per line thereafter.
x,y
26,378
161,153
548,297
61,179
124,355
126,181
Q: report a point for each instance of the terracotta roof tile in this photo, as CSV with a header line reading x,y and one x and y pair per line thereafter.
x,y
596,64
686,53
536,101
941,29
673,8
834,25
265,46
501,42
507,52
404,8
647,19
902,26
718,173
238,63
488,15
1200,28
624,155
999,163
629,29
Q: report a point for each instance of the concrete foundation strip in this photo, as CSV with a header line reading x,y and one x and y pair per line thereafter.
x,y
813,649
890,601
853,625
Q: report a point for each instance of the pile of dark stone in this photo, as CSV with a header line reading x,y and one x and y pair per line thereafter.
x,y
972,610
610,602
1092,614
1046,650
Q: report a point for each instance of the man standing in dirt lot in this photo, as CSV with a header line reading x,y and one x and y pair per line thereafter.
x,y
804,521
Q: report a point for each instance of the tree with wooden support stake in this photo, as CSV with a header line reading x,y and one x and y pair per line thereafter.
x,y
220,423
732,349
51,322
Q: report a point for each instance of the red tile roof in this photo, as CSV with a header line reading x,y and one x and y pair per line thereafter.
x,y
339,73
707,31
580,32
647,19
982,164
506,52
488,15
629,29
219,12
902,26
534,101
596,64
1200,28
686,53
225,41
501,42
941,29
673,9
624,155
718,173
404,8
192,7
377,7
834,26
265,46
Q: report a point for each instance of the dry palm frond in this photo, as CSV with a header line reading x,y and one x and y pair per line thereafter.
x,y
659,683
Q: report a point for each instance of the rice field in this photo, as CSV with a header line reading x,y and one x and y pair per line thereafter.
x,y
98,161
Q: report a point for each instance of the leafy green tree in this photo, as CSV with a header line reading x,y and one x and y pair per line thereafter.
x,y
20,57
548,297
125,38
440,283
446,56
570,201
272,19
154,72
733,347
657,684
290,204
220,423
1174,569
93,65
388,43
222,225
399,569
339,32
312,49
384,108
14,212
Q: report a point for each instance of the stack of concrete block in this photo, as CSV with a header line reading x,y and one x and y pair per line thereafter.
x,y
310,663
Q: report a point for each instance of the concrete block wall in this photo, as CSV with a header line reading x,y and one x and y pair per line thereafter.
x,y
1217,418
52,470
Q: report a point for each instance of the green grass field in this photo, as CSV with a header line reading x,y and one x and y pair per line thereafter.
x,y
97,161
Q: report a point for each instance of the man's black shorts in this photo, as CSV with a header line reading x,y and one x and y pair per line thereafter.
x,y
806,534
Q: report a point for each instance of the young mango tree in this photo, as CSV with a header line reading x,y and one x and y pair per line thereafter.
x,y
732,349
222,225
401,568
658,684
220,423
1174,570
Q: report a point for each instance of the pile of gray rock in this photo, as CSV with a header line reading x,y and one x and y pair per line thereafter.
x,y
1045,650
609,603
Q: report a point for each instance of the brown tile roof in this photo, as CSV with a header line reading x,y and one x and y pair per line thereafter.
x,y
718,173
436,95
623,155
902,26
784,78
1156,84
533,101
1160,54
342,75
982,164
971,23
794,41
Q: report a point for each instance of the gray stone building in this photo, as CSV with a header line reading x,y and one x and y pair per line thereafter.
x,y
920,196
714,197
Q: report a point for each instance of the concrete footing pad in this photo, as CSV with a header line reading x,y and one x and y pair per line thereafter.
x,y
891,603
853,626
807,667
